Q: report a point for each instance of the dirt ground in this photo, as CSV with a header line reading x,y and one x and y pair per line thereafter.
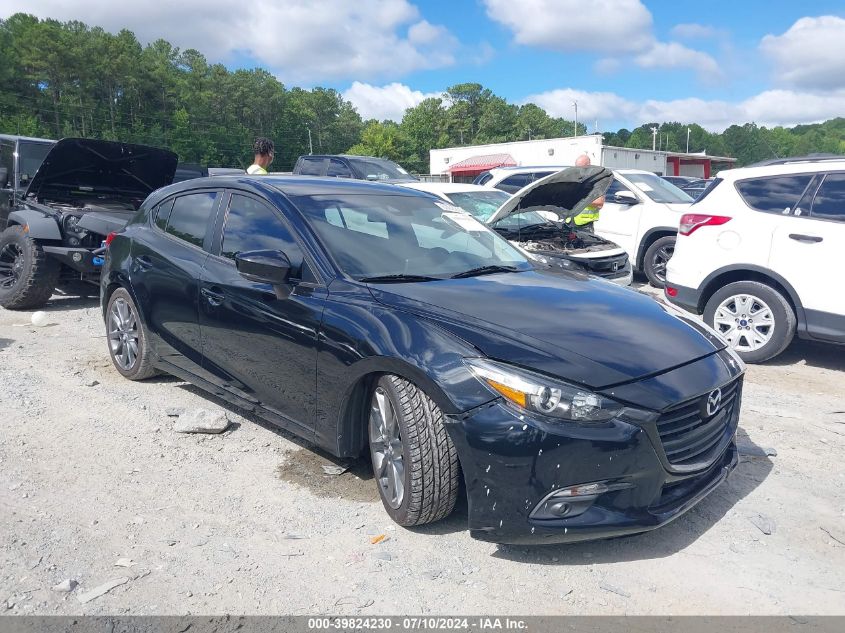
x,y
247,522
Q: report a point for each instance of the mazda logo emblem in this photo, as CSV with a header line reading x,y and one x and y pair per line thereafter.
x,y
713,403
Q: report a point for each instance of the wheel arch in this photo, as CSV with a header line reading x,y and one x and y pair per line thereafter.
x,y
749,272
351,422
651,236
36,224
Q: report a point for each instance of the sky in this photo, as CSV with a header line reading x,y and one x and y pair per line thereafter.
x,y
625,62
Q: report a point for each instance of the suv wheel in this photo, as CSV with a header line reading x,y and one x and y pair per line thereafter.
x,y
28,275
127,338
415,463
755,319
656,257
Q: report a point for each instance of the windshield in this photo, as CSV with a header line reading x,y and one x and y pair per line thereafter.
x,y
481,204
407,236
30,157
379,169
658,189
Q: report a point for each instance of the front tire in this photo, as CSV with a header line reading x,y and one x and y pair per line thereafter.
x,y
28,276
415,463
128,344
655,259
756,320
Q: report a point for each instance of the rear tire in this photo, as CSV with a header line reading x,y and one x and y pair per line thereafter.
x,y
756,320
28,276
414,462
655,259
127,338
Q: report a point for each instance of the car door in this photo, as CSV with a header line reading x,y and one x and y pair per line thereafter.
x,y
165,274
807,249
257,343
620,222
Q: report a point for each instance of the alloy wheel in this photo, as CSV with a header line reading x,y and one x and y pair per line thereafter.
x,y
11,265
387,450
659,260
123,334
745,322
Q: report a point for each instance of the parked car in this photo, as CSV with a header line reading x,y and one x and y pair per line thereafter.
x,y
348,166
641,213
20,158
186,171
512,179
760,256
54,231
695,188
680,181
549,241
365,317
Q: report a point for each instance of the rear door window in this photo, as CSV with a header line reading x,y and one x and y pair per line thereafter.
x,y
829,203
338,169
311,166
775,194
514,183
190,216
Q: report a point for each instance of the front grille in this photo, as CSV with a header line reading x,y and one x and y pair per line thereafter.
x,y
605,265
690,438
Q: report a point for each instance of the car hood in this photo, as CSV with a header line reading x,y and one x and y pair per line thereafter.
x,y
573,326
86,168
571,189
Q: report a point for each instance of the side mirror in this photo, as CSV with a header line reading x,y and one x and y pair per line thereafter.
x,y
4,177
271,267
624,197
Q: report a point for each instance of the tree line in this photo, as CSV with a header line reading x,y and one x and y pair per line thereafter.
x,y
61,79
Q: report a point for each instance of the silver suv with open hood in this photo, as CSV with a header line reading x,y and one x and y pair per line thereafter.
x,y
534,218
55,231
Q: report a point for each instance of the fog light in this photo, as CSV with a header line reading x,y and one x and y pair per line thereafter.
x,y
77,257
574,500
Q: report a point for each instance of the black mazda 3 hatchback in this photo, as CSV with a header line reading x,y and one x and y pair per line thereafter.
x,y
372,319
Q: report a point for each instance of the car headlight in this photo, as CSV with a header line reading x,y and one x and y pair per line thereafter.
x,y
538,394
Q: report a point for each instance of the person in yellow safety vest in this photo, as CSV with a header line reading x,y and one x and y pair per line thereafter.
x,y
264,152
590,214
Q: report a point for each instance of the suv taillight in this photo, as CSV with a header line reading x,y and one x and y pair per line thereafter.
x,y
690,222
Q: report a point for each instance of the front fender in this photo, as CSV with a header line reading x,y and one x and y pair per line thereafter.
x,y
39,225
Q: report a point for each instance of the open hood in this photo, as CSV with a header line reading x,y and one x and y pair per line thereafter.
x,y
81,168
570,190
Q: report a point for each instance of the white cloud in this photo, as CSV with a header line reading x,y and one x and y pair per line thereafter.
x,y
693,31
612,28
384,102
770,108
674,55
811,54
300,40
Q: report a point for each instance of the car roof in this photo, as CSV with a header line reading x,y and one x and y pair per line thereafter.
x,y
781,168
353,156
32,139
520,168
293,185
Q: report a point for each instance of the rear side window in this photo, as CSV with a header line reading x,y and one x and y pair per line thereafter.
x,y
338,169
829,203
541,174
514,183
252,225
163,214
480,180
776,194
310,166
190,216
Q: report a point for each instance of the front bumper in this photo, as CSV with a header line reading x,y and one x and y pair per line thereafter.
x,y
84,260
511,463
687,298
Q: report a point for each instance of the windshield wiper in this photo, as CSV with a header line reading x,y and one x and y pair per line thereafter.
x,y
399,278
485,270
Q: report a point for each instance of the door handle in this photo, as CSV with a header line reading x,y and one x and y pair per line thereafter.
x,y
145,262
213,297
798,237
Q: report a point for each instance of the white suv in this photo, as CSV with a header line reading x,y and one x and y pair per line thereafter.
x,y
641,213
760,254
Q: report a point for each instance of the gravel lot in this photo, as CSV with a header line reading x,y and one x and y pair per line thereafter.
x,y
92,474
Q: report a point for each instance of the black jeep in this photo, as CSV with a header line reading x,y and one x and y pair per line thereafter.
x,y
55,222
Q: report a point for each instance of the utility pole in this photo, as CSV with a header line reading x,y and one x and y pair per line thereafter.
x,y
653,139
687,140
575,103
310,145
529,134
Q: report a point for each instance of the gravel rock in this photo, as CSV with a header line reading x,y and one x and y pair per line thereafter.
x,y
174,412
100,590
752,450
202,421
763,523
66,586
613,589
